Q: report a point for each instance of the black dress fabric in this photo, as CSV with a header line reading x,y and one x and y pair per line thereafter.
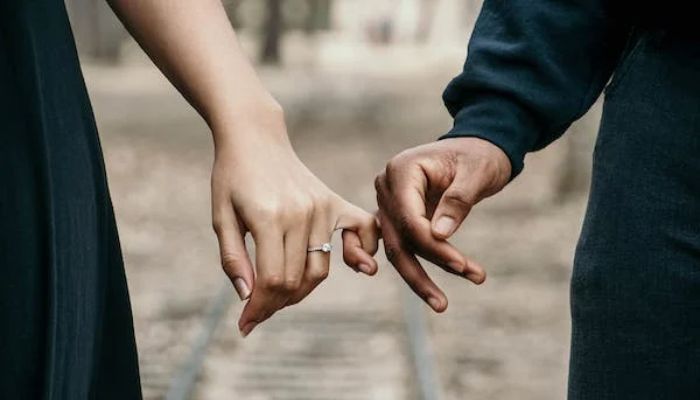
x,y
66,327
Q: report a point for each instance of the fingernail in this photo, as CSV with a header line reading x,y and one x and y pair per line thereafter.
x,y
365,268
434,303
241,288
445,225
248,328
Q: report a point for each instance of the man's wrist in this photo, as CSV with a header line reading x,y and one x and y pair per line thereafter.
x,y
495,159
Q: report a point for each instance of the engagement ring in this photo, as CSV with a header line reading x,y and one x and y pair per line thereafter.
x,y
326,248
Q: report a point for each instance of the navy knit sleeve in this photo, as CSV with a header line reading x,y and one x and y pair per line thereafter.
x,y
533,67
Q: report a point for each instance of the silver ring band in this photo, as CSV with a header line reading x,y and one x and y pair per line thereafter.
x,y
325,247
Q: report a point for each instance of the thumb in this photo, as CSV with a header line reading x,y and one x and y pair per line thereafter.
x,y
454,206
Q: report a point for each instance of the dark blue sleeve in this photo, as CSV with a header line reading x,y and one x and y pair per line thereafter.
x,y
533,67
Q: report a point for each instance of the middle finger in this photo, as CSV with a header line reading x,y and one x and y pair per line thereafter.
x,y
268,293
403,204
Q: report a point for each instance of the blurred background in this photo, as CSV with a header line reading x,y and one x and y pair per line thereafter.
x,y
360,80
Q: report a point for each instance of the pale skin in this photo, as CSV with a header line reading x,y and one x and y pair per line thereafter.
x,y
259,185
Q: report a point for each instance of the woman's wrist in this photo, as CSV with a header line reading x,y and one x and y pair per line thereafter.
x,y
250,123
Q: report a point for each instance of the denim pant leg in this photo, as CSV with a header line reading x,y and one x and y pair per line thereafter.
x,y
635,292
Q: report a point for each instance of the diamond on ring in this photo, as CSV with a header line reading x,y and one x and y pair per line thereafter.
x,y
325,247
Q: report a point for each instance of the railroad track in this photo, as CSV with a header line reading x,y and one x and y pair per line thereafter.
x,y
351,355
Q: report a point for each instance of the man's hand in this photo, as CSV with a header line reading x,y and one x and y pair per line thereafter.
x,y
424,194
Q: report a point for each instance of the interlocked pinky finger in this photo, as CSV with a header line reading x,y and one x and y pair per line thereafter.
x,y
364,224
355,256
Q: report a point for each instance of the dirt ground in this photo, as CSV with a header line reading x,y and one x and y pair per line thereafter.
x,y
507,339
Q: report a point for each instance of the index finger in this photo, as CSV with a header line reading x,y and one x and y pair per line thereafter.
x,y
403,194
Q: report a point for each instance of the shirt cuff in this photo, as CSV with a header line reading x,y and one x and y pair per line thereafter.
x,y
501,122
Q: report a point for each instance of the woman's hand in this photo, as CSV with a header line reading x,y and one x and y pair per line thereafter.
x,y
258,183
260,186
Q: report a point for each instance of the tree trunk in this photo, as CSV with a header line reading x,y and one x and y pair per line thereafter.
x,y
319,16
272,33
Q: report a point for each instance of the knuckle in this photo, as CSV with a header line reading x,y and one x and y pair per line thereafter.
x,y
368,223
320,275
300,210
269,213
391,252
372,248
231,260
379,181
321,203
273,282
419,284
348,258
307,206
402,160
459,197
294,301
291,284
217,226
395,164
406,224
489,166
267,314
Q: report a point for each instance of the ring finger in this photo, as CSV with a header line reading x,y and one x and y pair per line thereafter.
x,y
317,261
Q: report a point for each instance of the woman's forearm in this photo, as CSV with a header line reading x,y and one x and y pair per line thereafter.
x,y
194,45
275,198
